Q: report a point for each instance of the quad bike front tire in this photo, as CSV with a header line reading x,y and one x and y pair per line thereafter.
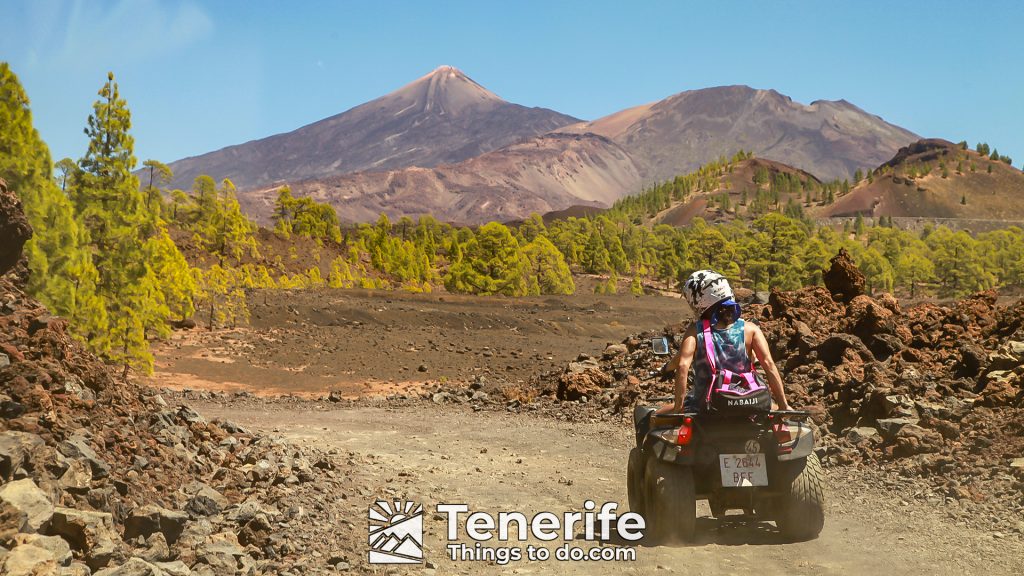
x,y
800,511
635,481
671,502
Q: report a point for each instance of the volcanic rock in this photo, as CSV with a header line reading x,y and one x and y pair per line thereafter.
x,y
149,519
14,228
28,560
843,279
30,501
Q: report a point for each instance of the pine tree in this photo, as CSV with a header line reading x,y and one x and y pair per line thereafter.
x,y
636,288
130,246
547,267
341,274
595,257
177,283
492,263
66,169
157,174
62,272
229,232
221,298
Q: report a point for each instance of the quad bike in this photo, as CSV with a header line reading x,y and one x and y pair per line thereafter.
x,y
763,464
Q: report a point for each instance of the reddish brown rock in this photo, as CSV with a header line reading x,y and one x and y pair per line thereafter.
x,y
14,228
843,279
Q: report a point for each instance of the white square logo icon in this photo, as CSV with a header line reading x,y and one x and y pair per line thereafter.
x,y
396,532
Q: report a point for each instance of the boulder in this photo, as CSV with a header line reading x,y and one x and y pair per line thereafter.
x,y
15,451
157,549
56,545
32,502
867,318
220,552
843,279
913,439
580,381
973,360
204,500
77,478
859,434
11,522
885,346
615,350
890,427
838,347
148,519
91,533
14,228
27,560
77,448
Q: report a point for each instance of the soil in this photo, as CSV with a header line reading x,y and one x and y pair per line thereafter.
x,y
310,342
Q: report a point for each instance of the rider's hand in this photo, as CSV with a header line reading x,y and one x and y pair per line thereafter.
x,y
677,405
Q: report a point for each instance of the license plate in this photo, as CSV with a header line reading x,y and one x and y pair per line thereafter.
x,y
740,470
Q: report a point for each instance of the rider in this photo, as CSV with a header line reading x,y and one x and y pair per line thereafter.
x,y
736,342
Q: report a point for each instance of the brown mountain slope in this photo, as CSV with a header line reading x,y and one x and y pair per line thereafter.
x,y
830,139
544,174
442,117
912,184
734,183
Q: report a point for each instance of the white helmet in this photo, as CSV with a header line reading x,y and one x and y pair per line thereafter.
x,y
705,288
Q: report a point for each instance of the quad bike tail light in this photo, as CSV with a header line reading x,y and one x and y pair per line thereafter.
x,y
679,436
685,433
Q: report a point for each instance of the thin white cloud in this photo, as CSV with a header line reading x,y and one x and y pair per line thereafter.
x,y
87,33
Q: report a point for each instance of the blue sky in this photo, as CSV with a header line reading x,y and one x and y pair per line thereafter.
x,y
202,75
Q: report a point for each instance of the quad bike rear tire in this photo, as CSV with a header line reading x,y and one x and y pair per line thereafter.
x,y
671,502
800,511
635,481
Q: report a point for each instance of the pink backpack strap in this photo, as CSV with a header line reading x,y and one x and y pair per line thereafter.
x,y
709,347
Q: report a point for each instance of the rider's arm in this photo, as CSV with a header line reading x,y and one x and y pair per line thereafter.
x,y
764,356
682,362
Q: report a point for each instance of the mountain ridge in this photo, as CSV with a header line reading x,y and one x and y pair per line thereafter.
x,y
675,135
543,174
441,117
445,144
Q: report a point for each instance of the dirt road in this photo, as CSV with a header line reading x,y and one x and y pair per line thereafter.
x,y
502,462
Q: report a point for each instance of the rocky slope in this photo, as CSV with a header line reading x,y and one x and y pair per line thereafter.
x,y
14,228
544,174
935,178
442,117
106,477
830,139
